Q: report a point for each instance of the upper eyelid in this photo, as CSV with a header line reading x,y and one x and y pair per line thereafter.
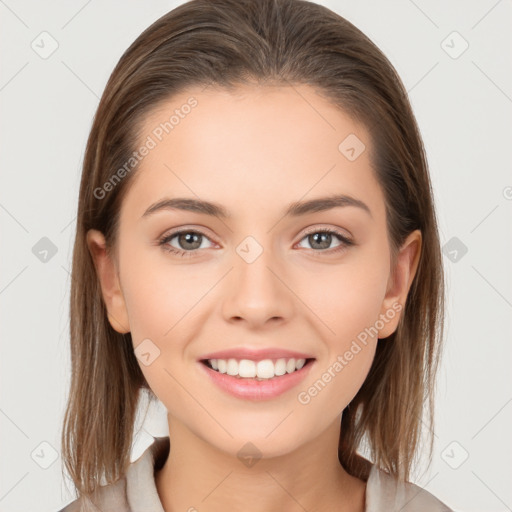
x,y
315,228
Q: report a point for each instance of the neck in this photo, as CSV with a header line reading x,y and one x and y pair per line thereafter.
x,y
197,475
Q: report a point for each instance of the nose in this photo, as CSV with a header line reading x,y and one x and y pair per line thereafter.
x,y
258,291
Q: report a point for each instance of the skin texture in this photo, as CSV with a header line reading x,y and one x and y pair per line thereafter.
x,y
254,151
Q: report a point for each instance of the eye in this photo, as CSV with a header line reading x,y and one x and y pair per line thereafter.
x,y
322,238
189,239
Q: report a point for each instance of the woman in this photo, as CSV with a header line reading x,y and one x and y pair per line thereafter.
x,y
257,248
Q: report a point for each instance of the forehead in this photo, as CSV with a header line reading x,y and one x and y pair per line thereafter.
x,y
251,147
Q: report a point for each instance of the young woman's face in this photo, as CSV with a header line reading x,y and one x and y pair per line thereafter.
x,y
260,278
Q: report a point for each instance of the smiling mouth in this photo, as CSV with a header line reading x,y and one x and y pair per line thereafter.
x,y
278,369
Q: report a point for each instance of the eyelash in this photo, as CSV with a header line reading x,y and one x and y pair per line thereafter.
x,y
345,242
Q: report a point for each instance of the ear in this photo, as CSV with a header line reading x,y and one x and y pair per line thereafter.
x,y
400,282
109,280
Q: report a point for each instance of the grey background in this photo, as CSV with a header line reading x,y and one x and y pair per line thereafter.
x,y
463,104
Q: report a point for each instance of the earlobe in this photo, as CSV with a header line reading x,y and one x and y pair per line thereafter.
x,y
400,281
109,281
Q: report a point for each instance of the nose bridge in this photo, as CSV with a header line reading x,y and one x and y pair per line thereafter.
x,y
257,292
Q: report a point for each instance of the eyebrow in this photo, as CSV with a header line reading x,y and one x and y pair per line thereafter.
x,y
294,209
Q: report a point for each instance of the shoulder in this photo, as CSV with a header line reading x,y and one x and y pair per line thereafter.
x,y
135,491
110,497
385,492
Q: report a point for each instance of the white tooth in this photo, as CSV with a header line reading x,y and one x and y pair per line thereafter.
x,y
299,364
213,362
247,368
290,365
280,367
222,365
265,369
232,367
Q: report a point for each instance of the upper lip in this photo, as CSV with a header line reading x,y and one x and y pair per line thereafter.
x,y
256,354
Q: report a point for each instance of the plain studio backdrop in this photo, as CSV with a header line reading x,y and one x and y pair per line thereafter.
x,y
454,59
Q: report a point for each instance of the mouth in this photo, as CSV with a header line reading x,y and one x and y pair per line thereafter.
x,y
262,370
262,379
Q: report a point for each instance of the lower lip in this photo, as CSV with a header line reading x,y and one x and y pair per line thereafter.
x,y
257,389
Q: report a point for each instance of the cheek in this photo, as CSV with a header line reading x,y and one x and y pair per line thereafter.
x,y
347,304
346,299
350,309
162,303
159,294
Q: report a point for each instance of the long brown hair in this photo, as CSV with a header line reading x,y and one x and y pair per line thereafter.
x,y
228,43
